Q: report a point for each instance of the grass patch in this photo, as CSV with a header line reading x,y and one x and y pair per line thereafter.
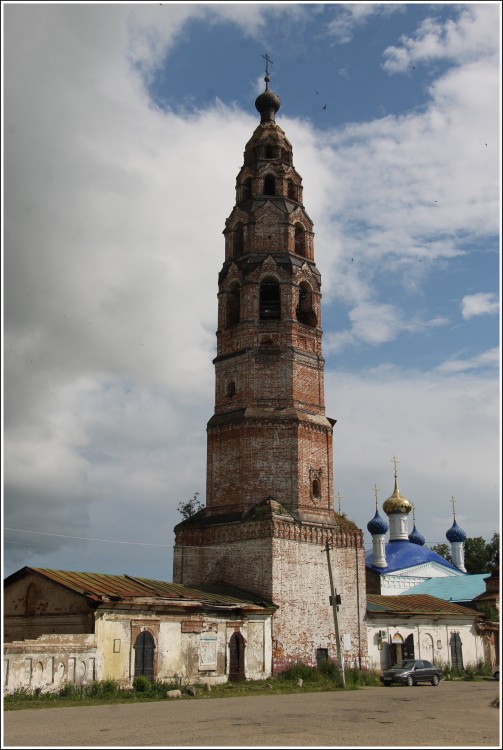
x,y
324,678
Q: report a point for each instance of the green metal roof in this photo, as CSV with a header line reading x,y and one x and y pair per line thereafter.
x,y
451,588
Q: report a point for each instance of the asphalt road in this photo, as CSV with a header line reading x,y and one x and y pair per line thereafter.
x,y
454,714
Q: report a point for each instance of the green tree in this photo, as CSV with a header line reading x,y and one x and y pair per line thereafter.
x,y
190,507
443,550
480,556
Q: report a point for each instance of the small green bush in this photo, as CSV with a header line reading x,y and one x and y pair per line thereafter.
x,y
69,690
329,669
469,672
297,671
142,684
484,668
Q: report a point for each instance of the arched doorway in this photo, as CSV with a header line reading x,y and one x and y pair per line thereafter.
x,y
236,658
456,653
144,655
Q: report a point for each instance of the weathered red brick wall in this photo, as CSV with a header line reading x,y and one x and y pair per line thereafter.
x,y
285,562
251,459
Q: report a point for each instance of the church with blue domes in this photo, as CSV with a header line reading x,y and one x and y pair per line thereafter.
x,y
403,561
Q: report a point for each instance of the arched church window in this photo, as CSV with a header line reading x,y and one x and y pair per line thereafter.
x,y
316,488
300,240
291,190
270,300
269,152
305,312
231,389
247,189
238,241
233,306
269,185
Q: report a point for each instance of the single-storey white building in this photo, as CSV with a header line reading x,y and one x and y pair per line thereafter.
x,y
422,627
62,626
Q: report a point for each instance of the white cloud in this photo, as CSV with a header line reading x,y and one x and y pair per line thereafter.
x,y
486,360
473,305
474,35
442,429
348,17
113,219
375,323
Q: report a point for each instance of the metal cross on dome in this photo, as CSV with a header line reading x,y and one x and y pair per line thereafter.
x,y
267,61
376,490
453,503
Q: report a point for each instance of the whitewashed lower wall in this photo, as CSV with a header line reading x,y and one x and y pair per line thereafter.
x,y
431,640
50,661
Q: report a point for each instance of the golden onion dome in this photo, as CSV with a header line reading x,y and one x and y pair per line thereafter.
x,y
396,503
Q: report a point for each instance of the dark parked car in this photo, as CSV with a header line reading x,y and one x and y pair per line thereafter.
x,y
412,671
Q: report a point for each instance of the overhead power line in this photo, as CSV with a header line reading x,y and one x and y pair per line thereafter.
x,y
87,538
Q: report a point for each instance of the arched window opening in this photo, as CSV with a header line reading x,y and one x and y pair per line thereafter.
x,y
269,152
270,300
233,306
247,189
316,488
305,313
291,190
231,389
300,240
269,185
238,241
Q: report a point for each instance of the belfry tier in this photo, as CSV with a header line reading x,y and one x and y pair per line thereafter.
x,y
269,437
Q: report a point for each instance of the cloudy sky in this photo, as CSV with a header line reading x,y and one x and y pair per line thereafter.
x,y
124,131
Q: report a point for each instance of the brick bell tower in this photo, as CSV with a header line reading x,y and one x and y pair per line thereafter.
x,y
269,488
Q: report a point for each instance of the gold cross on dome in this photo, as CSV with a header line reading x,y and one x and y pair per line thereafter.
x,y
453,503
395,461
376,490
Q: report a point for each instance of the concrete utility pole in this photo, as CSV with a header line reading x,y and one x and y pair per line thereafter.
x,y
333,592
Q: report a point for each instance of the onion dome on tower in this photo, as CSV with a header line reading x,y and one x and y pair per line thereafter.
x,y
397,509
456,536
378,527
415,537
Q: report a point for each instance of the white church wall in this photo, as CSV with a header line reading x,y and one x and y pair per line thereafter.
x,y
431,636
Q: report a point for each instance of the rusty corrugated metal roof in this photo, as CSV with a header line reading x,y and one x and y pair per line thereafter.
x,y
102,586
413,604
